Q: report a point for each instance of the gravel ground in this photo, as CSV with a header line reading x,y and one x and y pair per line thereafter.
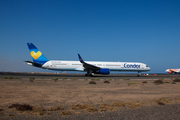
x,y
48,93
165,112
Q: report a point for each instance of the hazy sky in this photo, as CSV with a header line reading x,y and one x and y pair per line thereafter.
x,y
145,31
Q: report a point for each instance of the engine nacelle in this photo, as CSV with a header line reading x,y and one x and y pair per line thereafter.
x,y
104,71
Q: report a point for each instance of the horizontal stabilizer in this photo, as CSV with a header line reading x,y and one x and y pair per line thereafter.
x,y
34,63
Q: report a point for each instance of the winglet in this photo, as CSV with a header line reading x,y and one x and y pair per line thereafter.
x,y
80,59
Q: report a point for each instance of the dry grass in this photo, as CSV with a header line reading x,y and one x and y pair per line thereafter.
x,y
105,107
38,110
88,108
65,113
133,104
163,101
10,114
76,113
1,113
78,107
56,108
91,109
118,104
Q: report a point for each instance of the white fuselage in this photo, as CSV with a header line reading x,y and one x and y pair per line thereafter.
x,y
113,66
173,71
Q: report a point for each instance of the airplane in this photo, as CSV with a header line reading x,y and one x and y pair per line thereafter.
x,y
91,67
170,71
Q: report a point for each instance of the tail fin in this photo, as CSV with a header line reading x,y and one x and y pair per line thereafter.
x,y
36,55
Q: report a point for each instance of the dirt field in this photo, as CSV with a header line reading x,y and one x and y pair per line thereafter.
x,y
91,99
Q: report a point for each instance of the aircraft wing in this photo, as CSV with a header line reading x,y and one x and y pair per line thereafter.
x,y
88,66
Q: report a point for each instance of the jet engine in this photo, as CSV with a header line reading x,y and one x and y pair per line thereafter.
x,y
104,71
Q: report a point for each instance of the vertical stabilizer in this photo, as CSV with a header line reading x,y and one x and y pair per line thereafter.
x,y
36,55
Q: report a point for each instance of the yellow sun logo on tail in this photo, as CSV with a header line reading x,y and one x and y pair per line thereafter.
x,y
36,55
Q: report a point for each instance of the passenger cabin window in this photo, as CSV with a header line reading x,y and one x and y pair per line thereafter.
x,y
76,64
63,64
112,65
99,64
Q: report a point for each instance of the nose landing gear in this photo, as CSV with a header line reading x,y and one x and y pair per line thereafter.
x,y
138,74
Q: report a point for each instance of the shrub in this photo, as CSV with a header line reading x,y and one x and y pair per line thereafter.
x,y
106,81
132,83
144,82
92,82
173,82
97,79
9,77
161,101
31,78
158,82
176,80
4,78
21,107
55,78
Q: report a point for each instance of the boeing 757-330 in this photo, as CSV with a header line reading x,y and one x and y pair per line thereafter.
x,y
91,67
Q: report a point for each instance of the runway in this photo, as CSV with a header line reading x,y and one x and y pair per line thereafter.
x,y
82,75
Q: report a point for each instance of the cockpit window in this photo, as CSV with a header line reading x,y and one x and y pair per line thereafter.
x,y
146,65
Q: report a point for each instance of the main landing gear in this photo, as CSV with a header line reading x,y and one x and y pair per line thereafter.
x,y
89,73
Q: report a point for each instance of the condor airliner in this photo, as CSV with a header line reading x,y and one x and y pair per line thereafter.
x,y
91,67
